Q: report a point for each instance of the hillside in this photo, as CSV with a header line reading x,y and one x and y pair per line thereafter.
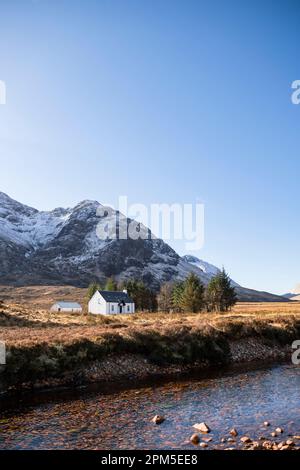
x,y
61,247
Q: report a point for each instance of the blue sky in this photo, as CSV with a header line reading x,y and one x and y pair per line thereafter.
x,y
162,101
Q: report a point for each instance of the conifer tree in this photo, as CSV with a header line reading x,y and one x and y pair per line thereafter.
x,y
144,298
178,289
111,284
192,299
220,294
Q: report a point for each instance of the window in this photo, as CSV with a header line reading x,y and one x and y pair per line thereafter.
x,y
112,308
128,308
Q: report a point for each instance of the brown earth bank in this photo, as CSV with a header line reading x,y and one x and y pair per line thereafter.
x,y
52,349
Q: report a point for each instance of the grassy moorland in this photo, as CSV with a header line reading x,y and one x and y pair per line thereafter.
x,y
43,345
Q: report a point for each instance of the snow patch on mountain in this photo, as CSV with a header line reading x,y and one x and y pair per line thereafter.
x,y
209,269
28,227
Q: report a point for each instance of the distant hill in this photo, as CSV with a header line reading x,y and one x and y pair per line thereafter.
x,y
292,296
289,295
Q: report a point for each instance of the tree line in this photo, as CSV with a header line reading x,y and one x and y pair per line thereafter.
x,y
189,295
192,296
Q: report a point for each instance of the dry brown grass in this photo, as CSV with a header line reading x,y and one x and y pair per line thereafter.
x,y
26,325
43,344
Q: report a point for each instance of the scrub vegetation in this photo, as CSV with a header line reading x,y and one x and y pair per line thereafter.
x,y
43,345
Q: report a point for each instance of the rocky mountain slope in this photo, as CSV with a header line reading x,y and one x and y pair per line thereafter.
x,y
61,247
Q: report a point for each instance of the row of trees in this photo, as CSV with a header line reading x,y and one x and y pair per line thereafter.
x,y
191,295
186,296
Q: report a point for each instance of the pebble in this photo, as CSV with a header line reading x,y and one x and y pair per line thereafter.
x,y
246,439
158,419
203,444
289,442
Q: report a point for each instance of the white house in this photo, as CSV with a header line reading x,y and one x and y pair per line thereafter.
x,y
62,306
111,302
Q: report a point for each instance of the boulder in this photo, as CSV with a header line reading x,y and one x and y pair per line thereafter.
x,y
158,419
195,439
233,432
279,430
202,427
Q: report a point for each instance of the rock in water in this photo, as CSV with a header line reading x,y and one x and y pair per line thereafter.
x,y
233,432
289,442
158,419
202,427
203,444
246,439
195,439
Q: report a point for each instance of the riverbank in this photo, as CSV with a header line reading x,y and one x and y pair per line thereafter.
x,y
55,350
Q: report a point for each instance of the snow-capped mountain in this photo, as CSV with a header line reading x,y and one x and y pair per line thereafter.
x,y
63,247
28,227
205,267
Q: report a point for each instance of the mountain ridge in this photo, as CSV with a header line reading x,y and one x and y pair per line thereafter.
x,y
62,247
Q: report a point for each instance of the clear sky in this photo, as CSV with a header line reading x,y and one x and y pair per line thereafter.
x,y
163,101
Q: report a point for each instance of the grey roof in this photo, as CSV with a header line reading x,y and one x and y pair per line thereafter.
x,y
116,296
65,304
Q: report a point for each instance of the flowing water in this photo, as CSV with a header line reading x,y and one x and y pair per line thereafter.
x,y
121,419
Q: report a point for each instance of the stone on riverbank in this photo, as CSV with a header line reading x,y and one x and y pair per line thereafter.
x,y
202,427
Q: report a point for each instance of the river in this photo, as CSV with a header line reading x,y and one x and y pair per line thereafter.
x,y
121,418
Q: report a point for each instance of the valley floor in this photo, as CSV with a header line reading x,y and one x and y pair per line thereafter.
x,y
52,349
